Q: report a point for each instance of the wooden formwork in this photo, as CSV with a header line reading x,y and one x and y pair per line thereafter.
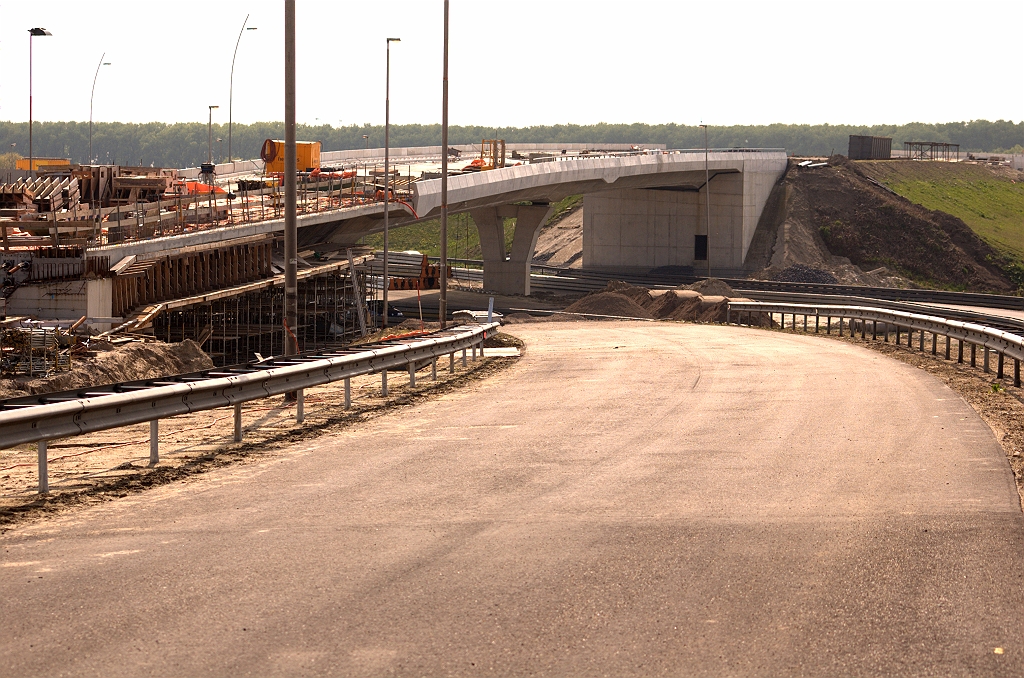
x,y
188,273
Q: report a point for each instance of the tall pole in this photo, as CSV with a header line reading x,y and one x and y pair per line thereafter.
x,y
291,286
387,176
91,96
707,197
32,32
31,169
442,307
209,137
231,86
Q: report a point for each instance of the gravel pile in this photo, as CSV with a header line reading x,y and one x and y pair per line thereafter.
x,y
799,273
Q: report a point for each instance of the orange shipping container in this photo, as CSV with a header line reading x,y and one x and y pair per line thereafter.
x,y
307,155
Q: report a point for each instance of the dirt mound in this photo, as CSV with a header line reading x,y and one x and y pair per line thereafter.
x,y
804,274
712,286
130,362
677,304
609,303
836,219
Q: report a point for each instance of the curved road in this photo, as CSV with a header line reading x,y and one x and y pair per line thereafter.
x,y
628,500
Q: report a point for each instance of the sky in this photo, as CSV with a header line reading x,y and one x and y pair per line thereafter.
x,y
521,62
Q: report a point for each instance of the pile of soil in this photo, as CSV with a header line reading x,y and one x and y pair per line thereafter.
x,y
707,304
800,273
837,219
129,362
608,303
712,286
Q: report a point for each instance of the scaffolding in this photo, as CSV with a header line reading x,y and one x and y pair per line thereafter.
x,y
250,326
932,150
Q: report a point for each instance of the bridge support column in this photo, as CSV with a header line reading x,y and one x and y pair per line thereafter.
x,y
509,272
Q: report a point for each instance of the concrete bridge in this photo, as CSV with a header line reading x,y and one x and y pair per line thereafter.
x,y
641,210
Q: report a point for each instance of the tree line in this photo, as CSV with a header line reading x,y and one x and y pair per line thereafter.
x,y
186,144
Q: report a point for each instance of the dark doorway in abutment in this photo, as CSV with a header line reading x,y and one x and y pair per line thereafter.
x,y
700,248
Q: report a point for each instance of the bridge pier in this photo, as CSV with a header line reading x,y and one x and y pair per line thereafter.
x,y
509,272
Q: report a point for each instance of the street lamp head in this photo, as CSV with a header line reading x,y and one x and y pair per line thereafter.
x,y
394,40
38,32
106,63
251,28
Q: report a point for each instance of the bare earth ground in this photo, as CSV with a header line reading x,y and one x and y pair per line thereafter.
x,y
561,243
109,464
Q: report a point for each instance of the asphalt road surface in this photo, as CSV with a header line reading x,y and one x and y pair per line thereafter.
x,y
631,499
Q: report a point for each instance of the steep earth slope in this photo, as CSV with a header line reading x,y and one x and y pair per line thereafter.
x,y
837,219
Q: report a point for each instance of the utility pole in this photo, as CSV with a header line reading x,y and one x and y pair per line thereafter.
x,y
387,172
707,197
291,286
442,308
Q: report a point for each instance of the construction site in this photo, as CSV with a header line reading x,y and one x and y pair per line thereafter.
x,y
117,254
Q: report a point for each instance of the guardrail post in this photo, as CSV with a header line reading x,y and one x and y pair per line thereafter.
x,y
886,331
412,374
974,353
817,320
874,330
805,323
960,351
897,335
238,422
828,326
463,357
300,406
44,474
433,369
988,370
999,366
948,340
920,342
481,348
1016,372
863,329
154,442
935,343
451,363
348,393
384,383
910,337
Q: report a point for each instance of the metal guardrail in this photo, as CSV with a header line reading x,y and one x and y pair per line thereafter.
x,y
1004,344
45,422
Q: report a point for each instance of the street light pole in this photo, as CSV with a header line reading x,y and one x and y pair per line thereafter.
x,y
91,96
231,87
32,32
387,177
209,136
442,304
707,198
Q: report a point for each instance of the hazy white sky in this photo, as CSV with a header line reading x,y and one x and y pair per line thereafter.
x,y
523,62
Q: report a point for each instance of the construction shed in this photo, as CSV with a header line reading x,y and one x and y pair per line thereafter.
x,y
870,148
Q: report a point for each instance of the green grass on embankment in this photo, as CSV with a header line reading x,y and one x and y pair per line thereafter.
x,y
989,200
463,238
